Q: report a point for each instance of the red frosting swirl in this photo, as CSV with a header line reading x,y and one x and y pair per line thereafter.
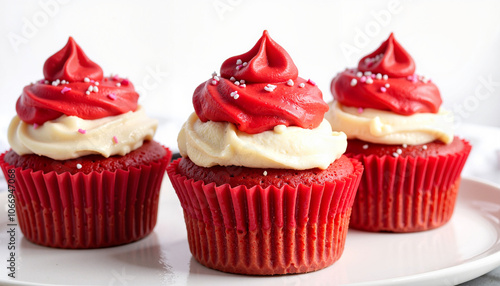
x,y
259,90
69,75
387,82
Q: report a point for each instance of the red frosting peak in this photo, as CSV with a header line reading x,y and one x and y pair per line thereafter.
x,y
259,90
71,64
390,59
265,62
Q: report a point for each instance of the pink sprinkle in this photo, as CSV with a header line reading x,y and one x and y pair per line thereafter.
x,y
41,81
115,77
238,67
125,82
373,75
82,131
415,79
311,82
112,96
360,110
410,77
383,89
65,89
362,79
92,81
115,139
35,125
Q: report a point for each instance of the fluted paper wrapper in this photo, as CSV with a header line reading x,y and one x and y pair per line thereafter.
x,y
98,209
407,194
266,231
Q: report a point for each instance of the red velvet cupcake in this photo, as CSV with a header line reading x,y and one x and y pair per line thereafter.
x,y
397,129
263,183
85,171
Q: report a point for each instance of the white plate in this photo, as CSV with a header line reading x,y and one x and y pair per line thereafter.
x,y
465,248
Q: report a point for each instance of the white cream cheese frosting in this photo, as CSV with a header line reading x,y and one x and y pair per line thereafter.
x,y
212,143
69,137
384,127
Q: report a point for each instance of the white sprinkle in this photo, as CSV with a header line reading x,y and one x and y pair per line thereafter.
x,y
424,147
243,85
265,173
242,81
365,146
96,83
378,76
245,64
385,77
395,154
87,92
368,73
118,84
90,89
63,81
290,82
387,85
369,80
96,89
232,78
86,79
46,82
55,83
216,78
399,151
214,74
237,83
269,87
214,82
239,62
359,74
404,145
354,82
236,96
238,67
79,166
302,85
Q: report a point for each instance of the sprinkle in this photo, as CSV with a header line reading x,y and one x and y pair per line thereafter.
x,y
415,79
395,154
216,78
41,81
65,89
383,89
239,62
399,151
35,125
63,81
238,67
290,82
87,92
354,82
234,94
245,64
360,109
118,84
410,77
237,83
90,89
243,85
387,85
309,81
362,79
359,74
56,82
112,96
82,131
92,81
373,76
365,146
424,147
79,166
115,139
269,87
115,77
385,77
302,85
86,79
368,73
214,74
125,82
96,83
232,78
242,81
369,80
96,89
264,173
379,76
405,145
214,82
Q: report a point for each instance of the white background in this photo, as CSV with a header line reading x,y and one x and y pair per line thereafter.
x,y
167,48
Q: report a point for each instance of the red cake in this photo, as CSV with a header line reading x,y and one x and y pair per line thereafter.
x,y
396,127
86,171
262,180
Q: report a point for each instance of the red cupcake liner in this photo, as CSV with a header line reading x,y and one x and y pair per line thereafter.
x,y
407,194
98,209
266,231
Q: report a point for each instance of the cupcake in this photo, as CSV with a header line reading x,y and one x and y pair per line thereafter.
x,y
87,172
396,127
262,181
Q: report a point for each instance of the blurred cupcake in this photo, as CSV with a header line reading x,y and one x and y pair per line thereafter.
x,y
263,183
396,127
86,169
